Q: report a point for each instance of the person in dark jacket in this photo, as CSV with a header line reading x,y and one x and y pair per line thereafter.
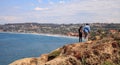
x,y
80,30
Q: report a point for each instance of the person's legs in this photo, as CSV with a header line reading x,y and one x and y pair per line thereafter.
x,y
80,37
86,36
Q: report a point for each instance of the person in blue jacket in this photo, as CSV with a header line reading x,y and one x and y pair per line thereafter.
x,y
86,31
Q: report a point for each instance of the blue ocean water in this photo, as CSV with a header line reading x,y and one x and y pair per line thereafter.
x,y
17,46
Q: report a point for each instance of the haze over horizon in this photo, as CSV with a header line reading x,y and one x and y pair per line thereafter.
x,y
59,11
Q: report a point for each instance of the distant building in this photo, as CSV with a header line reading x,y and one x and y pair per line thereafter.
x,y
113,31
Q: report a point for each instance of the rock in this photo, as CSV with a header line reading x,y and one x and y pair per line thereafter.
x,y
43,59
25,61
97,37
64,60
89,42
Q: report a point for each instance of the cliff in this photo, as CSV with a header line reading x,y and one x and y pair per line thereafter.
x,y
101,51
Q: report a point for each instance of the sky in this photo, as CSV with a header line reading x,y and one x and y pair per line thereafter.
x,y
59,11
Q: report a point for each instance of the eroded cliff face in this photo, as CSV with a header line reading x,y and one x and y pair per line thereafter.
x,y
25,61
105,51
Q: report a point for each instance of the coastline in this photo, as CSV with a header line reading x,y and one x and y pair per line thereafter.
x,y
25,45
52,35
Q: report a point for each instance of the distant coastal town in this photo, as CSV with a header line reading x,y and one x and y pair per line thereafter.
x,y
61,29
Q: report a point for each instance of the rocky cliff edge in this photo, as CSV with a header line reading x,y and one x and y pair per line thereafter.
x,y
105,51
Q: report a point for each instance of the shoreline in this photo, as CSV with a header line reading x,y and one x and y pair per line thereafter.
x,y
52,35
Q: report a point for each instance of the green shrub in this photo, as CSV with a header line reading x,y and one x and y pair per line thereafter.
x,y
53,54
83,60
107,63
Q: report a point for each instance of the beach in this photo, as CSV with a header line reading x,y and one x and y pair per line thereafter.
x,y
45,34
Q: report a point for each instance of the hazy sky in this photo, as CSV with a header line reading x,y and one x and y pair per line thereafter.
x,y
59,11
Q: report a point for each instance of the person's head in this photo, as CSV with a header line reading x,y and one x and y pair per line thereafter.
x,y
87,24
80,27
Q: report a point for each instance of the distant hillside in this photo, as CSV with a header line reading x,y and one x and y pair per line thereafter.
x,y
63,29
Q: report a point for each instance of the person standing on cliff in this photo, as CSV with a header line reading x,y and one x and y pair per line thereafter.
x,y
86,31
80,30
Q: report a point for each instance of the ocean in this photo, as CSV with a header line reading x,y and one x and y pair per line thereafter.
x,y
14,46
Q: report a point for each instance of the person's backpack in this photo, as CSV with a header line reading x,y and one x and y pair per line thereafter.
x,y
86,29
